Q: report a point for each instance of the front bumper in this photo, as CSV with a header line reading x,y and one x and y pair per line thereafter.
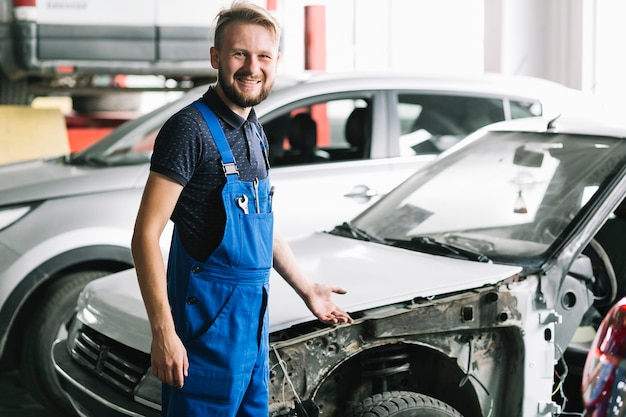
x,y
88,395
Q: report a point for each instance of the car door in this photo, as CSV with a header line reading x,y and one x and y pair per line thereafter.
x,y
352,166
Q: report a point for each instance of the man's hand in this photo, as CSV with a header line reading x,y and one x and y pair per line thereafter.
x,y
320,302
169,359
317,296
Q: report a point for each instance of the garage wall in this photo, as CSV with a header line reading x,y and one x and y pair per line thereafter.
x,y
542,38
575,42
404,35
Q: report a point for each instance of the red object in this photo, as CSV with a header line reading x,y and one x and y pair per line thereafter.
x,y
24,3
604,372
84,130
80,138
120,81
315,59
271,5
315,38
65,69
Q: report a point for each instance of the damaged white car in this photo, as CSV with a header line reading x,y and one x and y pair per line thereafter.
x,y
467,283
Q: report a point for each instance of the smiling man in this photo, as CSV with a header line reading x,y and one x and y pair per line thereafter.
x,y
209,174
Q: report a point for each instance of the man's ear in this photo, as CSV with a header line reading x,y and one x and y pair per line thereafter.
x,y
215,59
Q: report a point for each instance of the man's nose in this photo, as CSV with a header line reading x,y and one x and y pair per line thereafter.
x,y
253,64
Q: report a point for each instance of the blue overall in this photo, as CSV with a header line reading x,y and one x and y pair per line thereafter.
x,y
220,305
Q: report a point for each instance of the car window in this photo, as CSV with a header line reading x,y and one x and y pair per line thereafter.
x,y
322,131
327,131
431,123
521,109
336,128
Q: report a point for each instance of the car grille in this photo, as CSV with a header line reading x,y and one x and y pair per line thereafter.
x,y
118,365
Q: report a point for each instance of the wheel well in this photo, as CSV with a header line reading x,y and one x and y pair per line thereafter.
x,y
11,352
399,367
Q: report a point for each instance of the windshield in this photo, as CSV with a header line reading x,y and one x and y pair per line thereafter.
x,y
503,196
132,142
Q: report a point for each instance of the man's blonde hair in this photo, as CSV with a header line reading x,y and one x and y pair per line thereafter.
x,y
245,12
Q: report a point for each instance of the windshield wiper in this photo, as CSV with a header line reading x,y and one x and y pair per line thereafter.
x,y
435,247
95,162
349,230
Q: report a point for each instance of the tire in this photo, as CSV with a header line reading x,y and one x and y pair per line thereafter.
x,y
13,91
107,102
402,404
49,322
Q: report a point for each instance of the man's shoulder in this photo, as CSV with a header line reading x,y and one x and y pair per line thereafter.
x,y
184,117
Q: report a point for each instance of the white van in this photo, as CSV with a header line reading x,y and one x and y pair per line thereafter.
x,y
65,42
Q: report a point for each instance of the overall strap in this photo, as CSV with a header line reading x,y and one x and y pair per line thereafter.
x,y
228,160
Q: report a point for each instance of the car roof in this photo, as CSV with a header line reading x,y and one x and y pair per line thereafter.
x,y
554,96
590,125
497,84
396,78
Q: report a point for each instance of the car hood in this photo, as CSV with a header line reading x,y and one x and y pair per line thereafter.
x,y
45,179
373,275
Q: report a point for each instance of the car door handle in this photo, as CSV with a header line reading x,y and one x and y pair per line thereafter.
x,y
361,193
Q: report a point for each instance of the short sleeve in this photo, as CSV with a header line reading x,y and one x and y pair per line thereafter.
x,y
178,148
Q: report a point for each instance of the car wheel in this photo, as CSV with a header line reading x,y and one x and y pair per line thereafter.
x,y
107,102
13,91
49,322
402,404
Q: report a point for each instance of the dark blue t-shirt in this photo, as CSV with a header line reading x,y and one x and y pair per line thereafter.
x,y
184,151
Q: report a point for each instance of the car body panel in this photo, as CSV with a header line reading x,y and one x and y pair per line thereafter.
x,y
40,180
296,195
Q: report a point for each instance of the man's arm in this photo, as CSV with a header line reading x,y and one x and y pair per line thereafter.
x,y
169,357
317,296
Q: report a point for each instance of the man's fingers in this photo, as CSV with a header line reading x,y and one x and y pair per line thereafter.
x,y
339,290
174,375
177,377
344,317
337,316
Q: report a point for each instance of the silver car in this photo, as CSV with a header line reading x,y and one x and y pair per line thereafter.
x,y
67,221
467,283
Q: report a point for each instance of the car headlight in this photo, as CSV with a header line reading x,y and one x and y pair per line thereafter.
x,y
10,215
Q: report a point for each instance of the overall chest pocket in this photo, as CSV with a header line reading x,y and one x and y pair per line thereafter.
x,y
253,247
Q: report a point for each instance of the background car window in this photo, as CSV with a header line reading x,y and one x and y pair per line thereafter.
x,y
521,109
333,130
430,124
146,144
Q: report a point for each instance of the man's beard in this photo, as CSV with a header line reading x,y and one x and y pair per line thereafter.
x,y
240,99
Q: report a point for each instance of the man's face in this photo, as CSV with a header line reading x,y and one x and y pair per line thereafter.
x,y
246,63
